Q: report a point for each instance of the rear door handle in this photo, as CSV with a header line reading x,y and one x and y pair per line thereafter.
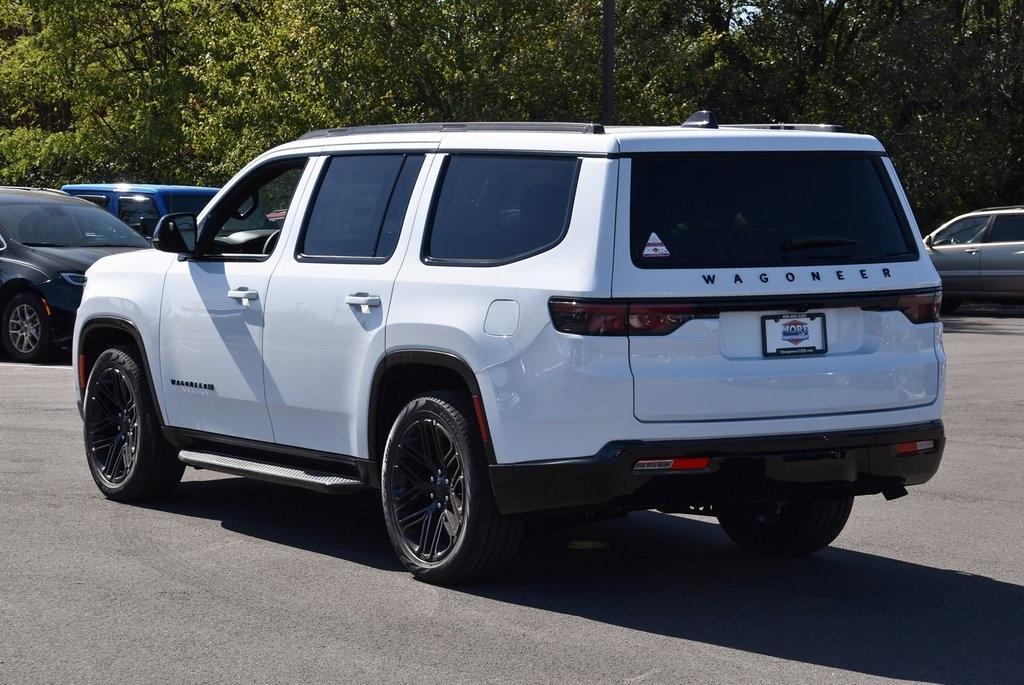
x,y
243,295
971,250
363,300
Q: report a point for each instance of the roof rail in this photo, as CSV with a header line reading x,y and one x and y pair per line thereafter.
x,y
705,118
821,128
454,126
995,209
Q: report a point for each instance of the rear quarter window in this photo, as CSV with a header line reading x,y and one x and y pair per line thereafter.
x,y
494,209
770,209
1007,229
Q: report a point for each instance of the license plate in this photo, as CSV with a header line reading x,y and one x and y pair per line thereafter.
x,y
787,334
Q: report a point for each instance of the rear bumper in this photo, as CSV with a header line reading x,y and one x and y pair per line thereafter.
x,y
857,462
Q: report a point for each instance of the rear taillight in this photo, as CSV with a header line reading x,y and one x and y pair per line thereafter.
x,y
594,317
658,319
584,317
920,307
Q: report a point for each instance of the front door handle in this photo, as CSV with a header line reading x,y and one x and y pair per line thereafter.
x,y
363,300
244,295
971,250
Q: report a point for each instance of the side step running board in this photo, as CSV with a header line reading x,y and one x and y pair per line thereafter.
x,y
321,481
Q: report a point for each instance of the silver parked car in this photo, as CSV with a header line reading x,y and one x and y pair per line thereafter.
x,y
980,256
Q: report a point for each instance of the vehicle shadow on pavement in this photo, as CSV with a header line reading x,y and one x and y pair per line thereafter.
x,y
348,527
683,578
839,608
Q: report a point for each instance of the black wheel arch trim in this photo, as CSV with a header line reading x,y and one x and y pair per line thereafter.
x,y
418,357
124,326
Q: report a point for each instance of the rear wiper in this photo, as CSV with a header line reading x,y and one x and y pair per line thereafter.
x,y
813,242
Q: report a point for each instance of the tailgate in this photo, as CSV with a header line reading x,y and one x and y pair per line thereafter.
x,y
772,285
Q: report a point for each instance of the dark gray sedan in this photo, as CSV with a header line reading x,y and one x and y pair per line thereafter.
x,y
980,256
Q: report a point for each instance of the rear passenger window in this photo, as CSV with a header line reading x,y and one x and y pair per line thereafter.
x,y
493,209
360,206
1007,229
132,209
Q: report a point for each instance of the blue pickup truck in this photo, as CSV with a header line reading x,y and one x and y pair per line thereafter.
x,y
140,205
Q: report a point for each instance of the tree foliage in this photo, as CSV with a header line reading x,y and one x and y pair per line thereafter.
x,y
186,91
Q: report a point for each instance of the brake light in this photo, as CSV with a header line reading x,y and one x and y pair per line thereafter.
x,y
921,307
658,319
597,317
584,317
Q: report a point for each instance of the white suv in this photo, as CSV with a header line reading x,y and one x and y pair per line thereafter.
x,y
502,323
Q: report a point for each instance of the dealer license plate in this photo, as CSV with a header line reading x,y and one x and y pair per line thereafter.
x,y
788,334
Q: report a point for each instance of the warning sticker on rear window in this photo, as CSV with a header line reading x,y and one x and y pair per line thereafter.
x,y
655,248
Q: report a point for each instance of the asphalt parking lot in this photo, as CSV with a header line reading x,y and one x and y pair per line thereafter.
x,y
237,581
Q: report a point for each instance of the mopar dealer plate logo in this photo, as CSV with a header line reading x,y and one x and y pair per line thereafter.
x,y
795,332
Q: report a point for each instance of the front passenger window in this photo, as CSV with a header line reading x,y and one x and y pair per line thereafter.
x,y
962,232
249,219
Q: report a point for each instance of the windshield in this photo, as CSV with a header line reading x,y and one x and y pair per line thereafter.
x,y
187,202
46,223
768,209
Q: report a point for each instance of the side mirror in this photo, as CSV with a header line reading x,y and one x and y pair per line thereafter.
x,y
176,233
147,225
928,240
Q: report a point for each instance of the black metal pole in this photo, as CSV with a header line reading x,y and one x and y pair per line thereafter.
x,y
608,86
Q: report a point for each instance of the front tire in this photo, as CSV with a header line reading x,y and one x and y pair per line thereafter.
x,y
27,331
438,505
791,527
128,456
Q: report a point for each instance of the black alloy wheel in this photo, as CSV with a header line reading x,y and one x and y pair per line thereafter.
x,y
438,503
113,428
128,456
428,490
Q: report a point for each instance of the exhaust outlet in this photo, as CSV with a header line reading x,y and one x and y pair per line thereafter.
x,y
894,493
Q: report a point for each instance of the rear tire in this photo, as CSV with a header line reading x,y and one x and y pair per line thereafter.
x,y
789,528
438,504
26,329
127,454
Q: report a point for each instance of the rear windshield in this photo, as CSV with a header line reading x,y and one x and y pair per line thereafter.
x,y
764,210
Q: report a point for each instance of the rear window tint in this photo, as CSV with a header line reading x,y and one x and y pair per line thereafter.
x,y
763,210
360,206
1007,229
494,209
